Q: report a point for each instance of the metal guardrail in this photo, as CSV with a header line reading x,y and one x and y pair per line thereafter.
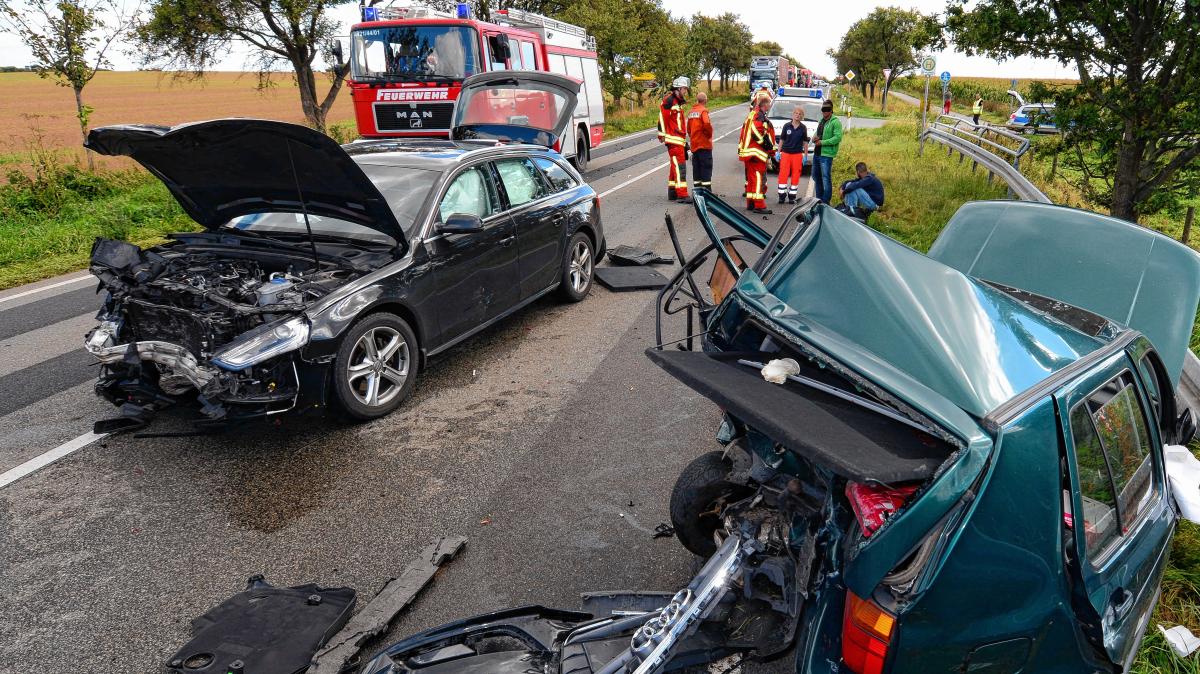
x,y
979,149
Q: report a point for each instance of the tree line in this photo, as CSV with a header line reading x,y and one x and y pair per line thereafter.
x,y
1130,126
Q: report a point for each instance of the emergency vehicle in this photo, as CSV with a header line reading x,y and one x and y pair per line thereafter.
x,y
407,65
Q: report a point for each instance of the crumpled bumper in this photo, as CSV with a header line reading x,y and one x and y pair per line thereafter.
x,y
178,361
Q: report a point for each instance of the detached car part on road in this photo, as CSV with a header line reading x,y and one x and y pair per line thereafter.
x,y
960,473
333,273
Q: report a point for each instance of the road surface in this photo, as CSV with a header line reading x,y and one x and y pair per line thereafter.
x,y
549,441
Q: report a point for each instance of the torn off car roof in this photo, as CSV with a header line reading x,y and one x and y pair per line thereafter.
x,y
225,168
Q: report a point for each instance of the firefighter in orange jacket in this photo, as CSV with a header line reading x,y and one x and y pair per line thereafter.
x,y
672,132
755,144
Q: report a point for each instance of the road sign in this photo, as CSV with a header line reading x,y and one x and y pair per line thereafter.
x,y
887,72
928,65
850,75
945,77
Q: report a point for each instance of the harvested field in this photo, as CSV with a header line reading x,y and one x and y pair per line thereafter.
x,y
33,108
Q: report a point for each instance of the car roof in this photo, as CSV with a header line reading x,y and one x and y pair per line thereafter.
x,y
433,153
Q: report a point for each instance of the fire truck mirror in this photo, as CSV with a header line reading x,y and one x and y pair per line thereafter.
x,y
499,45
337,51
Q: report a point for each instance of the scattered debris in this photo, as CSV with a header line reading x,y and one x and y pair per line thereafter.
x,y
380,611
1181,639
620,279
778,370
626,256
264,629
664,530
1183,472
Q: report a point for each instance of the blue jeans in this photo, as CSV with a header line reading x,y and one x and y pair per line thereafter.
x,y
859,198
823,175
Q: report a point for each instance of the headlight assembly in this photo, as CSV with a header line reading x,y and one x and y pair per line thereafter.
x,y
263,344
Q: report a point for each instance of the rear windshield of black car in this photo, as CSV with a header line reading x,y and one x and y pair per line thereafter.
x,y
406,190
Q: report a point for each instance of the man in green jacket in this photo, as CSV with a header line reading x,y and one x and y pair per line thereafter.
x,y
825,148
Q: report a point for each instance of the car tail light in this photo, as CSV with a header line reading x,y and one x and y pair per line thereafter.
x,y
866,632
557,146
874,504
596,203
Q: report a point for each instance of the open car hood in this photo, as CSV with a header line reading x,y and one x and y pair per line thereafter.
x,y
515,106
226,168
1117,269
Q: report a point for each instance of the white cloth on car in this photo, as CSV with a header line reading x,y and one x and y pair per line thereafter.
x,y
1183,473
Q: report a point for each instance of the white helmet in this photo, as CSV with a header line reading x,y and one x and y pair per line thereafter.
x,y
680,82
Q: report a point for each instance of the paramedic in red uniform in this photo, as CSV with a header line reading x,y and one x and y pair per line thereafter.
x,y
672,132
700,130
755,145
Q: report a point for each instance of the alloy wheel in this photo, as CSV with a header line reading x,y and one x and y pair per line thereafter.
x,y
378,366
581,267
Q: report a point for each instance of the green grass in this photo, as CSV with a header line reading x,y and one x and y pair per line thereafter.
x,y
922,194
50,217
623,123
869,108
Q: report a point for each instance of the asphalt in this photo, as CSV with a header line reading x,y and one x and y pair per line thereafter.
x,y
550,441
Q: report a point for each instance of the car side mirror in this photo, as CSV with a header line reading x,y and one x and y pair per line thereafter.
x,y
460,223
335,49
1185,427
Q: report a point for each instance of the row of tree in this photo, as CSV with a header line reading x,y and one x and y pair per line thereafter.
x,y
1131,126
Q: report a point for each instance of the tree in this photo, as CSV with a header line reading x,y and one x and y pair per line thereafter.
x,y
70,40
732,47
1132,124
192,35
767,48
702,35
888,39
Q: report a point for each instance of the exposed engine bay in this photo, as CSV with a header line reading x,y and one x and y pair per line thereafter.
x,y
194,317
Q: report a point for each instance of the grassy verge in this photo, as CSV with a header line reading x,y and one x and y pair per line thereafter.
x,y
922,194
49,219
870,108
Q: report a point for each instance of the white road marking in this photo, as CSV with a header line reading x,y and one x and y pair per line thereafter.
x,y
60,284
661,166
38,462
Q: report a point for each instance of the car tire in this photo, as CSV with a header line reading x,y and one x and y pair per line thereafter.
x,y
578,268
582,154
368,383
702,488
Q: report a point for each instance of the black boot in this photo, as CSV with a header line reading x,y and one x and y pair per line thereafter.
x,y
762,211
791,198
671,193
782,197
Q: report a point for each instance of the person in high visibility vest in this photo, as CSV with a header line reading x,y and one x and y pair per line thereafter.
x,y
672,132
700,131
755,145
977,109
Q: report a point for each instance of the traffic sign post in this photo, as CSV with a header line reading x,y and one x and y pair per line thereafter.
x,y
928,65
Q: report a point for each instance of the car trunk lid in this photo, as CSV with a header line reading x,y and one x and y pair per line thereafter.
x,y
516,107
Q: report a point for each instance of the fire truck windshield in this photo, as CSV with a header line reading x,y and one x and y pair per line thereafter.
x,y
398,53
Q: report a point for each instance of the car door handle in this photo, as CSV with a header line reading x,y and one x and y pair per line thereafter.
x,y
507,241
1122,601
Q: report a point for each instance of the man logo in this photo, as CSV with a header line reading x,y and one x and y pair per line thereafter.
x,y
415,123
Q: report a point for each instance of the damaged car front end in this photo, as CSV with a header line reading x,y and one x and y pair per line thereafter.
x,y
223,316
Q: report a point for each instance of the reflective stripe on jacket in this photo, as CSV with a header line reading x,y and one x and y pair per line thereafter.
x,y
672,129
757,140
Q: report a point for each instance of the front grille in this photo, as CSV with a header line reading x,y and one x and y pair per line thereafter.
x,y
413,116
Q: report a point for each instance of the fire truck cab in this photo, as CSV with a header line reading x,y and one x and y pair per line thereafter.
x,y
407,67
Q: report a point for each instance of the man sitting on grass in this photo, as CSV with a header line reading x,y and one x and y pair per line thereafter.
x,y
863,196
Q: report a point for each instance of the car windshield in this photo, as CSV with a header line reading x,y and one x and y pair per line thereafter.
x,y
406,190
764,74
399,53
782,109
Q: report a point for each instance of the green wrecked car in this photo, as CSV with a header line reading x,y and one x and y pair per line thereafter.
x,y
932,463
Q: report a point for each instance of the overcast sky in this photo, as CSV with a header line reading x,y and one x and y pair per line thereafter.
x,y
806,30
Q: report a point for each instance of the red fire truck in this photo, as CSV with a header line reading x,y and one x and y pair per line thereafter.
x,y
407,65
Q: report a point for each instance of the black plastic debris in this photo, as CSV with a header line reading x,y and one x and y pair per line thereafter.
x,y
664,530
264,630
626,256
621,279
